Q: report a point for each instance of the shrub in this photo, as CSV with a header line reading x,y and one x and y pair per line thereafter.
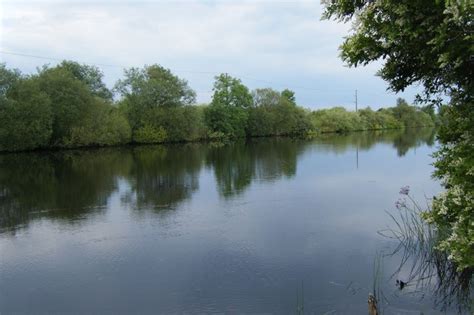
x,y
150,134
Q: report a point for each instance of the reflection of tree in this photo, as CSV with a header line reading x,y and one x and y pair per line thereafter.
x,y
233,167
402,139
236,165
60,185
413,138
70,184
161,177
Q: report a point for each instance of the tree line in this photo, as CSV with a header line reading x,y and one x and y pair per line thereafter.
x,y
70,106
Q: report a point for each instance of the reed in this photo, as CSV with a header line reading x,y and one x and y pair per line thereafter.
x,y
430,270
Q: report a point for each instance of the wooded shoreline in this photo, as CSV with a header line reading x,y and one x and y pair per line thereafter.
x,y
68,106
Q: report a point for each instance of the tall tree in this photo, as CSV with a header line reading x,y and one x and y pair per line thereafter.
x,y
227,115
155,86
71,101
229,91
148,94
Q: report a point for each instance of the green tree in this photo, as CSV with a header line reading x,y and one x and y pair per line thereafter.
x,y
229,91
90,75
106,125
8,77
289,95
291,120
155,86
370,119
81,117
429,43
72,103
226,121
262,116
266,97
276,114
227,114
336,119
25,116
386,119
148,96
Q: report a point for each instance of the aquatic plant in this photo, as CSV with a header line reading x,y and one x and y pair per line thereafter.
x,y
430,269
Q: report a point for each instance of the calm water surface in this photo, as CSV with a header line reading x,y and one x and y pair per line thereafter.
x,y
199,228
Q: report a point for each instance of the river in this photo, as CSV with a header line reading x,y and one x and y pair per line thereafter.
x,y
258,226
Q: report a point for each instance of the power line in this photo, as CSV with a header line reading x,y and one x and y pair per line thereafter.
x,y
55,59
176,70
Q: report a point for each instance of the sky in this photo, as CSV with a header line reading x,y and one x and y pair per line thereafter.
x,y
277,44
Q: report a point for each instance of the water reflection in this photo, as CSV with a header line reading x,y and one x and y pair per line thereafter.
x,y
70,185
238,164
402,140
62,186
161,177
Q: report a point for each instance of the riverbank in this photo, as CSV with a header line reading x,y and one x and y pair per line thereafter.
x,y
393,133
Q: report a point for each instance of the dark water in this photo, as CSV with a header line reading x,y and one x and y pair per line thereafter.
x,y
199,228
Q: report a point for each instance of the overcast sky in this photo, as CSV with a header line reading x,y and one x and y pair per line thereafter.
x,y
274,44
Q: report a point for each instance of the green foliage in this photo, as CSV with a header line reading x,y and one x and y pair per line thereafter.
x,y
69,106
8,77
411,116
178,124
266,98
25,117
429,43
230,92
227,113
336,119
106,126
58,108
290,119
411,36
228,120
150,134
387,121
217,137
90,75
153,100
370,120
274,113
262,121
453,210
151,87
154,86
289,95
71,101
430,111
184,123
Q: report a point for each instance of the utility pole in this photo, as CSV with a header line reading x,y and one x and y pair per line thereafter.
x,y
356,99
